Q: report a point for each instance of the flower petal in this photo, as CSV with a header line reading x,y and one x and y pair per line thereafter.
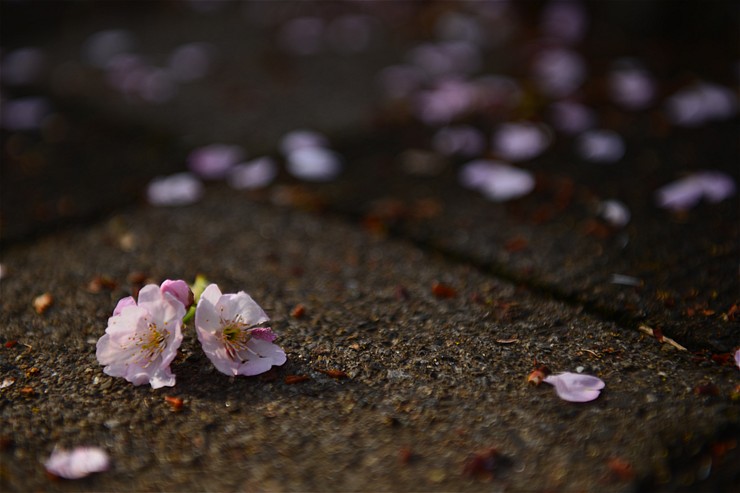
x,y
77,463
574,387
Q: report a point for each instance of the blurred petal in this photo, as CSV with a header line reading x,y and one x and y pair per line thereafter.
x,y
78,462
574,387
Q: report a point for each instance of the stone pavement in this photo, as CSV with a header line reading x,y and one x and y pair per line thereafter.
x,y
435,396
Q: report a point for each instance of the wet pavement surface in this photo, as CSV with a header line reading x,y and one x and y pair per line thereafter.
x,y
427,304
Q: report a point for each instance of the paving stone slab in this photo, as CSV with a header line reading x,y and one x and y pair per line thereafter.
x,y
433,383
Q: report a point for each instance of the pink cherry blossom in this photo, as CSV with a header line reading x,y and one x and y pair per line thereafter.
x,y
77,463
497,181
574,387
685,193
234,333
142,339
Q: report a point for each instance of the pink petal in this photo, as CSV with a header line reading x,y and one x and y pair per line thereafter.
x,y
175,190
520,141
497,181
737,358
257,173
213,162
314,164
180,290
600,146
574,387
77,463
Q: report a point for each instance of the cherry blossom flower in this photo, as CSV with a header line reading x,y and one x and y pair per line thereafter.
x,y
574,387
257,173
520,141
234,333
600,146
685,193
142,338
497,181
174,190
214,161
77,463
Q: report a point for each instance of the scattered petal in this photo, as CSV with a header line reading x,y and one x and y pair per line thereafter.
x,y
254,174
191,61
102,46
300,139
615,213
77,463
520,141
214,162
24,114
174,190
737,358
631,86
571,118
574,387
462,140
685,193
497,181
314,164
600,146
302,35
7,382
702,103
23,66
559,71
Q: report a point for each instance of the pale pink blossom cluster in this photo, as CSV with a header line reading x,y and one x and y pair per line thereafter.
x,y
143,336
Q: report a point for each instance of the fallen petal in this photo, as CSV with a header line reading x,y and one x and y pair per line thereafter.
x,y
78,462
574,387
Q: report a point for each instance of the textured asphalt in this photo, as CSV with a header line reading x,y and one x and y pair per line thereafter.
x,y
433,383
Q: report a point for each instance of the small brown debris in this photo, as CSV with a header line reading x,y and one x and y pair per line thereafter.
x,y
29,391
176,403
708,389
293,379
32,371
298,311
516,244
338,374
42,303
732,313
482,464
10,344
538,375
667,340
621,469
443,291
405,455
507,341
99,283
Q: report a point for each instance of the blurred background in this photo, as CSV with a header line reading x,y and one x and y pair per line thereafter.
x,y
370,109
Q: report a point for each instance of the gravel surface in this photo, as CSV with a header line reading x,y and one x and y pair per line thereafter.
x,y
432,383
